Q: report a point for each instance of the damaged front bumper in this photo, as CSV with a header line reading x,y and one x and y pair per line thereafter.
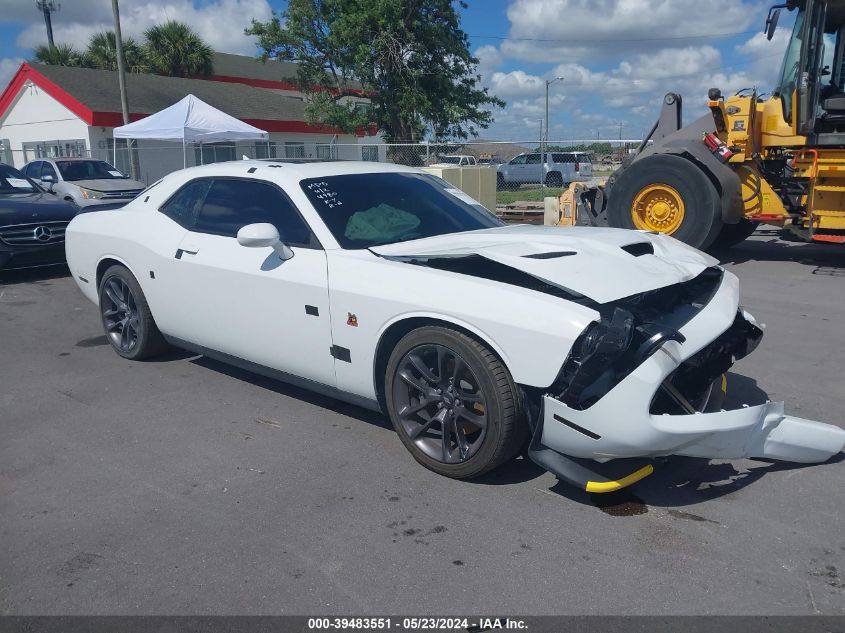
x,y
606,443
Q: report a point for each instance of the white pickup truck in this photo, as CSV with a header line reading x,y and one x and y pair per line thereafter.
x,y
457,160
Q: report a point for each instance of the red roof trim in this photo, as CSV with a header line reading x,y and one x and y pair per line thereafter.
x,y
27,72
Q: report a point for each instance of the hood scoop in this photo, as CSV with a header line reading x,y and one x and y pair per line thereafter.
x,y
638,249
551,255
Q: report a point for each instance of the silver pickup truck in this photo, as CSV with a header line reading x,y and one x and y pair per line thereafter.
x,y
559,169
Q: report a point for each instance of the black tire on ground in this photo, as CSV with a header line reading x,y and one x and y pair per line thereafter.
x,y
702,219
505,429
119,290
554,179
733,234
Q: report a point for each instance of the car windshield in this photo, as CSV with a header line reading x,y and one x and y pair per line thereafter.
x,y
13,181
449,160
87,170
364,210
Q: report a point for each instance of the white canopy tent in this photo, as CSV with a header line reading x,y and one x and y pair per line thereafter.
x,y
190,120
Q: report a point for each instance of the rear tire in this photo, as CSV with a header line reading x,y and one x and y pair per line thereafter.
x,y
667,191
478,404
127,321
733,234
554,179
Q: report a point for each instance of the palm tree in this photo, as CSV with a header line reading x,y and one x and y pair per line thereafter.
x,y
58,55
102,53
174,49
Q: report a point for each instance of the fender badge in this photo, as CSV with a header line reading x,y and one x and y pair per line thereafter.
x,y
352,320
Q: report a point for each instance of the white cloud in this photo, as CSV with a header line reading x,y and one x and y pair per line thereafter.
x,y
515,83
8,67
220,22
489,59
574,30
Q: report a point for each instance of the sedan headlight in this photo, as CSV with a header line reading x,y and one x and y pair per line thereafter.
x,y
90,194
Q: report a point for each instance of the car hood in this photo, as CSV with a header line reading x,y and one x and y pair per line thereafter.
x,y
107,184
23,208
593,262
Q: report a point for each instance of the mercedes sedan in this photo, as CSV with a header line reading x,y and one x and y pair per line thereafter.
x,y
382,285
32,222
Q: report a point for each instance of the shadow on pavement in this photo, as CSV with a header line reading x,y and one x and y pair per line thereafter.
x,y
285,389
776,246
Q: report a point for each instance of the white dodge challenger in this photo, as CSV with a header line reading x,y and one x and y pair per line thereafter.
x,y
384,286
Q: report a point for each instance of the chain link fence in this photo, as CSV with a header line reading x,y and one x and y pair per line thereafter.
x,y
522,176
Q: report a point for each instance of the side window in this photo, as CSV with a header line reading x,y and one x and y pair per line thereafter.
x,y
47,170
184,205
533,159
231,204
33,170
519,160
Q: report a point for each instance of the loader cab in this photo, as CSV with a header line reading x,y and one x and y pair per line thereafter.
x,y
812,95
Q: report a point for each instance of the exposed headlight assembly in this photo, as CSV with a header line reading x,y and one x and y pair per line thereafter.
x,y
90,194
605,353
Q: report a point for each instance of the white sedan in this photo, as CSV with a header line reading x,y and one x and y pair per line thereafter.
x,y
384,286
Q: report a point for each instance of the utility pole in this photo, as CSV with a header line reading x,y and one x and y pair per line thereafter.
x,y
546,138
47,7
121,78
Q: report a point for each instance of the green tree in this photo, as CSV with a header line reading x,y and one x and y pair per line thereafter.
x,y
411,58
58,55
102,53
174,49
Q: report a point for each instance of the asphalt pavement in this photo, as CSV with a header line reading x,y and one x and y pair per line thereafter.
x,y
184,486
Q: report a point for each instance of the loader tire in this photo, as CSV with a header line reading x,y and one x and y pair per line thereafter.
x,y
667,194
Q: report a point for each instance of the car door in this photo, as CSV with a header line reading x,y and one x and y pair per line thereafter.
x,y
247,302
514,172
533,170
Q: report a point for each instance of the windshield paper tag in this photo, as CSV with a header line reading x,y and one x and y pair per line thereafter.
x,y
463,197
19,183
116,173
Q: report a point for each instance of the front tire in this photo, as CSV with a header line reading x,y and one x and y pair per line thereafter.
x,y
453,404
127,320
666,194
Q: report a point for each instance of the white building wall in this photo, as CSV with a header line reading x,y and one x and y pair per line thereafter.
x,y
35,116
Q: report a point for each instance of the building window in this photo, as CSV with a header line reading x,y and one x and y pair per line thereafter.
x,y
326,151
54,149
262,147
369,152
214,153
294,150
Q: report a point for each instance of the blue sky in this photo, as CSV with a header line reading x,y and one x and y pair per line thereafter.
x,y
617,57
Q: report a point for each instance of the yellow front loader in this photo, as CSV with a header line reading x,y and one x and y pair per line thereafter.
x,y
778,159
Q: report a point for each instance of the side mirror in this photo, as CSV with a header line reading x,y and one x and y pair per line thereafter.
x,y
772,22
262,235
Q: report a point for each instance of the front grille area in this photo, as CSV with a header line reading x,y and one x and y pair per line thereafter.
x,y
122,194
33,234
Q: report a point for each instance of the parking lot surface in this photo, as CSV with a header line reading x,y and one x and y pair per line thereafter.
x,y
184,486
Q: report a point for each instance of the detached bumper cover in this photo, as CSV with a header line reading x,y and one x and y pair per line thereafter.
x,y
607,442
